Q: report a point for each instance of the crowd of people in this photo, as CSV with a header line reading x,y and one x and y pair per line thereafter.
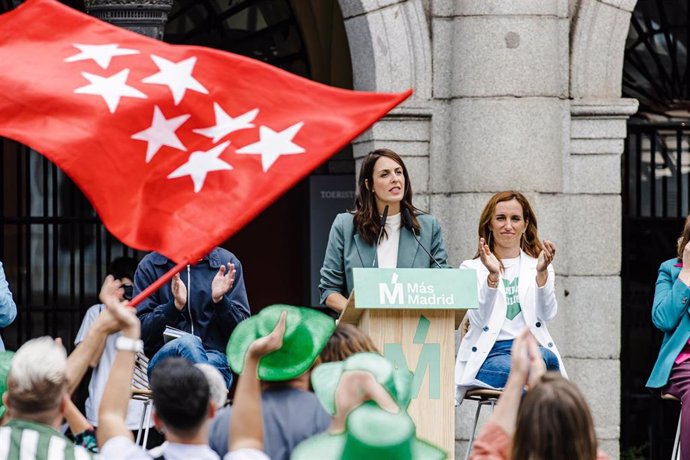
x,y
308,386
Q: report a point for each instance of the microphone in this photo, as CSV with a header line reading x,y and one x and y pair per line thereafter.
x,y
407,222
378,239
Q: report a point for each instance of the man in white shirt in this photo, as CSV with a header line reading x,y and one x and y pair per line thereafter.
x,y
121,268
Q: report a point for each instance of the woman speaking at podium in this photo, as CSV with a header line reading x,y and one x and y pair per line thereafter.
x,y
385,230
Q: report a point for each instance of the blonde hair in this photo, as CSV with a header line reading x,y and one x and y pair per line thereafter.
x,y
37,379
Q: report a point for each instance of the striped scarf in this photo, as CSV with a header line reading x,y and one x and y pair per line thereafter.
x,y
21,439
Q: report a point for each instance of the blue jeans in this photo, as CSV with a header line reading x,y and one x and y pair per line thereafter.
x,y
496,366
190,347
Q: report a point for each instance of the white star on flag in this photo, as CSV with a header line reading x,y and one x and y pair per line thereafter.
x,y
225,124
272,145
177,76
200,164
161,132
111,89
101,54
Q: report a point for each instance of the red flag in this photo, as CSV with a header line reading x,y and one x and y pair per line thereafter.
x,y
176,147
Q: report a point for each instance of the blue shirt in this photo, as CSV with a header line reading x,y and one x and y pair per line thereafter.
x,y
670,314
8,309
213,323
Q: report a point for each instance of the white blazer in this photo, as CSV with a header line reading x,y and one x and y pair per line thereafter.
x,y
538,306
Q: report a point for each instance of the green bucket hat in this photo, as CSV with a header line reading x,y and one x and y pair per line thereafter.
x,y
306,333
371,433
398,382
5,361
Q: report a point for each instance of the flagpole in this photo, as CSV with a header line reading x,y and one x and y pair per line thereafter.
x,y
153,287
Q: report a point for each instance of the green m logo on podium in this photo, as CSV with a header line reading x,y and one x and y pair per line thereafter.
x,y
429,360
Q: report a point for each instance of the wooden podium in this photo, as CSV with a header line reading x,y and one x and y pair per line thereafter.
x,y
411,315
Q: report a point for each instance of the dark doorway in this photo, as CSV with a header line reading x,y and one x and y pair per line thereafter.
x,y
656,199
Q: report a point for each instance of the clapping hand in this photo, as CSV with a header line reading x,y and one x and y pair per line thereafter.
x,y
179,291
222,282
546,256
488,258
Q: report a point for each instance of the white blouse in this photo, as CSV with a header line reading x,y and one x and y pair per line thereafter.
x,y
387,250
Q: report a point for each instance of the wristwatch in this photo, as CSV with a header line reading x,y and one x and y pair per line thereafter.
x,y
126,344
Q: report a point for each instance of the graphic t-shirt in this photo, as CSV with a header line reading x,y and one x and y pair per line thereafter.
x,y
515,321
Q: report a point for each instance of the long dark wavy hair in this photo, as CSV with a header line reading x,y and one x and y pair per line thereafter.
x,y
366,216
530,243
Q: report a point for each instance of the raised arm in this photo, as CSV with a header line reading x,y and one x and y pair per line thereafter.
x,y
527,368
113,411
84,354
247,421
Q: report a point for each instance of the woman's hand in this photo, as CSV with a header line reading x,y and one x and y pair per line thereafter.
x,y
489,260
527,363
545,258
519,357
354,388
685,271
686,257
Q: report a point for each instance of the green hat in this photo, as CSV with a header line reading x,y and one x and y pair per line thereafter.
x,y
5,361
398,382
306,333
371,433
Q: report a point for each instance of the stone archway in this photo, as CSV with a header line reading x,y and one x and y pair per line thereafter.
x,y
482,72
390,46
598,33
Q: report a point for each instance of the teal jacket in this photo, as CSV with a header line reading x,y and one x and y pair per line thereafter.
x,y
671,315
346,250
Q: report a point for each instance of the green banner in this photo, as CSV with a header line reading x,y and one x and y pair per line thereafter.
x,y
415,288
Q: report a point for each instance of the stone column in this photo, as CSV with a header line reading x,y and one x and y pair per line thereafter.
x,y
502,70
598,30
589,319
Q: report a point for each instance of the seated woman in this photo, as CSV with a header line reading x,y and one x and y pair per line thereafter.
x,y
515,289
671,373
357,239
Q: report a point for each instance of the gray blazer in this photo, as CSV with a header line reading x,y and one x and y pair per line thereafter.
x,y
347,250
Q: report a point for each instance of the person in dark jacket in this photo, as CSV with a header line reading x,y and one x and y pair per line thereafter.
x,y
206,301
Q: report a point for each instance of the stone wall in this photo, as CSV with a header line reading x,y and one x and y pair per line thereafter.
x,y
515,94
